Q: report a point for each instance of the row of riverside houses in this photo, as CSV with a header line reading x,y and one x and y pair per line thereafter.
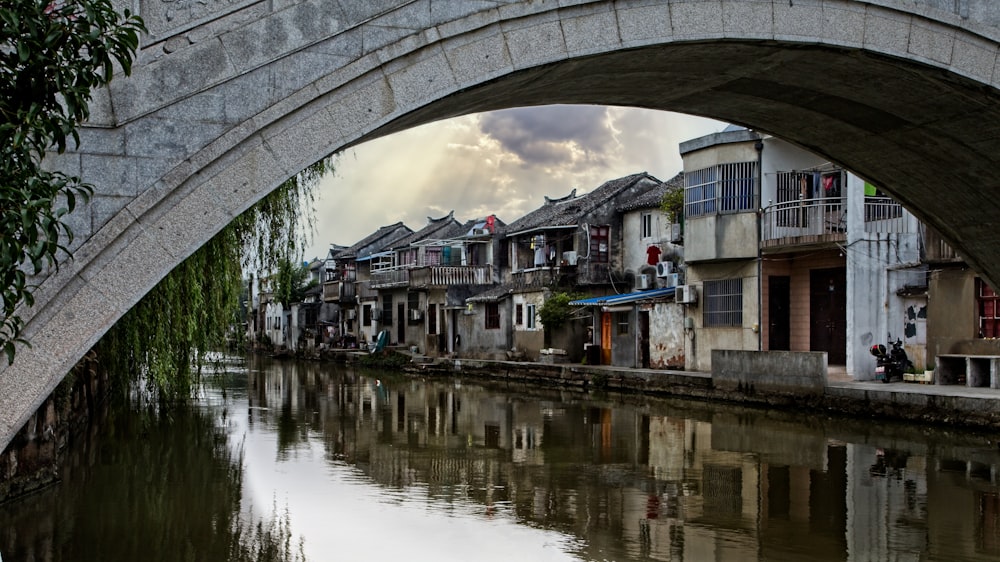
x,y
776,249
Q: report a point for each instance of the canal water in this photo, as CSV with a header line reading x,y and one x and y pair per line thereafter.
x,y
344,464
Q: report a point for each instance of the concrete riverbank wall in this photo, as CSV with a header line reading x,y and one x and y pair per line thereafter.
x,y
934,404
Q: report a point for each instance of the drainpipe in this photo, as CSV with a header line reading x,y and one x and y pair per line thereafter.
x,y
759,147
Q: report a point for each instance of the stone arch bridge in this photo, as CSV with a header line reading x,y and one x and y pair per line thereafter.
x,y
231,97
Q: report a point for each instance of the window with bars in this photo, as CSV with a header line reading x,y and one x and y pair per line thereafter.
x,y
722,303
622,320
725,188
519,314
492,316
432,319
599,239
647,225
988,307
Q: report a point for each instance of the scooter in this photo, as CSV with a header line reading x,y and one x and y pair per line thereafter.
x,y
891,364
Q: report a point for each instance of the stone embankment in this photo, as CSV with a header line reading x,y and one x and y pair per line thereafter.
x,y
935,404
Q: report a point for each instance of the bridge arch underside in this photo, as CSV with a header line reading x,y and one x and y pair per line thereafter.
x,y
930,136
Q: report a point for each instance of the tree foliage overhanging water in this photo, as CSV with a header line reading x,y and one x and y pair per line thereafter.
x,y
163,341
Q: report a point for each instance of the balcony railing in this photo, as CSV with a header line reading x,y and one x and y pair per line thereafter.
x,y
805,221
390,278
444,275
343,292
885,216
433,276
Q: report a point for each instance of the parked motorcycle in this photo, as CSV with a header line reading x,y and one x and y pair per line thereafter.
x,y
891,364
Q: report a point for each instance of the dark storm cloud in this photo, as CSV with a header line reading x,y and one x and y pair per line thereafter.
x,y
549,135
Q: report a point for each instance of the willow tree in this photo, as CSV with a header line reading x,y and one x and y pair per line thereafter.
x,y
53,54
163,340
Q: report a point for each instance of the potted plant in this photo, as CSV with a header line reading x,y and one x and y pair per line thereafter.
x,y
928,375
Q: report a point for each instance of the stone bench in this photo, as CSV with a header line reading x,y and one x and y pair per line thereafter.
x,y
970,370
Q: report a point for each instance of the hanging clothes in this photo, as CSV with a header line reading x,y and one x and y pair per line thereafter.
x,y
653,254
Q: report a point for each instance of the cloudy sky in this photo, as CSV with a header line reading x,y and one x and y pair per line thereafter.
x,y
500,163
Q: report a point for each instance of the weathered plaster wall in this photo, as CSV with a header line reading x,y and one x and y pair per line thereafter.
x,y
666,336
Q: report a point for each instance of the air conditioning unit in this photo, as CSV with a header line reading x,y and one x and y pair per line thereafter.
x,y
670,280
569,258
676,236
416,314
644,281
686,294
352,314
664,268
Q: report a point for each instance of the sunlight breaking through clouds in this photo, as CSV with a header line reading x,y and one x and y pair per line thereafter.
x,y
501,163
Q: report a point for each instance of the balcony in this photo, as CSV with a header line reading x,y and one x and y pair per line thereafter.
x,y
804,222
448,275
885,216
391,278
433,276
343,292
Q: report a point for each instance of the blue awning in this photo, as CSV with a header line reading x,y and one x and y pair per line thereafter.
x,y
626,298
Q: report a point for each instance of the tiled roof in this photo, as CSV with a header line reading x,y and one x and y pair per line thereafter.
x,y
567,210
387,235
651,199
436,228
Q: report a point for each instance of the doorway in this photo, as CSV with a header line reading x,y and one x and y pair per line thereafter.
x,y
828,313
779,319
400,324
644,339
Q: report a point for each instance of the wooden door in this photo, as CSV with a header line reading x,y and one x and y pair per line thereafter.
x,y
605,338
828,313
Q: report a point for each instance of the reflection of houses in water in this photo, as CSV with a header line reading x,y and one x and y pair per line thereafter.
x,y
701,485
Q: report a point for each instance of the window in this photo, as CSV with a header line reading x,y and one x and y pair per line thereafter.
x,y
492,316
988,306
736,183
519,314
723,303
531,316
726,188
366,315
432,256
599,236
699,193
381,263
413,306
622,320
432,319
387,310
647,225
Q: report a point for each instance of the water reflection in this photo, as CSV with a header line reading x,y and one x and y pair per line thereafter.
x,y
650,480
377,466
145,486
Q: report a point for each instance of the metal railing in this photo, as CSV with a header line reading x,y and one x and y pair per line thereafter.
x,y
811,218
390,278
885,216
460,275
